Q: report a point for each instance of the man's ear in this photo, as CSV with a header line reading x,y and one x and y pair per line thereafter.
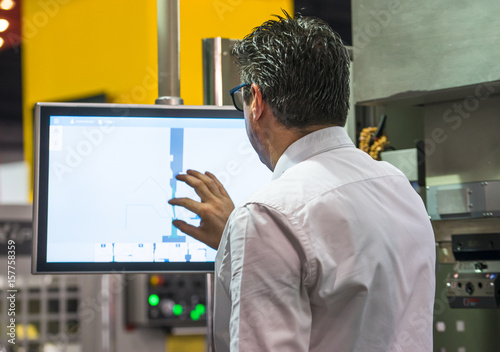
x,y
257,105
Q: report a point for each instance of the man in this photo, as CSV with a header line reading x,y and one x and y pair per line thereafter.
x,y
337,252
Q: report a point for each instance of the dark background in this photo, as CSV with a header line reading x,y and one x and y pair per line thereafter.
x,y
337,13
11,134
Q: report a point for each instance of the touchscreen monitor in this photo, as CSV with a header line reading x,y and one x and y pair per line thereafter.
x,y
105,172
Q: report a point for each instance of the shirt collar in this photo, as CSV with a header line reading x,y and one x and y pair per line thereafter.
x,y
312,144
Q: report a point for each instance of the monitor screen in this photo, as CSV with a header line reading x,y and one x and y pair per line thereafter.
x,y
105,172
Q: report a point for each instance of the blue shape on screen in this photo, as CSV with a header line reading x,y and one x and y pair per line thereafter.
x,y
176,152
174,239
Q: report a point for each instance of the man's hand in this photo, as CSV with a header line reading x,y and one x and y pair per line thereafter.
x,y
214,209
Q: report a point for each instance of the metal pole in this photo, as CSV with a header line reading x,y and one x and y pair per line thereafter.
x,y
210,311
219,71
169,91
169,78
106,312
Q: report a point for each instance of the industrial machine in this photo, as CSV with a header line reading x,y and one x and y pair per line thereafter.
x,y
476,282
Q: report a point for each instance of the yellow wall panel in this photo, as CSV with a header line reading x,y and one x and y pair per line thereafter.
x,y
216,18
78,48
88,47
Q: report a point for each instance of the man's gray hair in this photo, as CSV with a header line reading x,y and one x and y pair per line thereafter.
x,y
301,67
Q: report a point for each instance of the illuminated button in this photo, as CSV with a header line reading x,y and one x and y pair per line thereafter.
x,y
198,311
492,276
177,310
195,315
200,308
155,280
154,300
7,5
4,24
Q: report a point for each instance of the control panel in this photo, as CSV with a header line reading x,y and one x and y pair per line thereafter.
x,y
473,290
166,300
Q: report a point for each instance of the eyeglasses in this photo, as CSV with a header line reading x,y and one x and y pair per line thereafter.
x,y
237,96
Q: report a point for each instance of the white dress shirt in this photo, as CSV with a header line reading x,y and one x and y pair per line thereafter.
x,y
337,253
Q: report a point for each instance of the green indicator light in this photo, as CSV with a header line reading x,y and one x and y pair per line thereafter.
x,y
177,310
200,308
154,300
195,315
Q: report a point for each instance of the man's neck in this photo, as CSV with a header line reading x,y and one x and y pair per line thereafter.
x,y
284,137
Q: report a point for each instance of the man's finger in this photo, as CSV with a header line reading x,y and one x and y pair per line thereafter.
x,y
208,181
196,233
187,203
219,185
198,185
188,229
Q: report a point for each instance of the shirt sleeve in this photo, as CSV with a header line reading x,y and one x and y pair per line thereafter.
x,y
270,307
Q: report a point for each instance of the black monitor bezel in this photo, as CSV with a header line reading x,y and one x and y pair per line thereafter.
x,y
43,111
